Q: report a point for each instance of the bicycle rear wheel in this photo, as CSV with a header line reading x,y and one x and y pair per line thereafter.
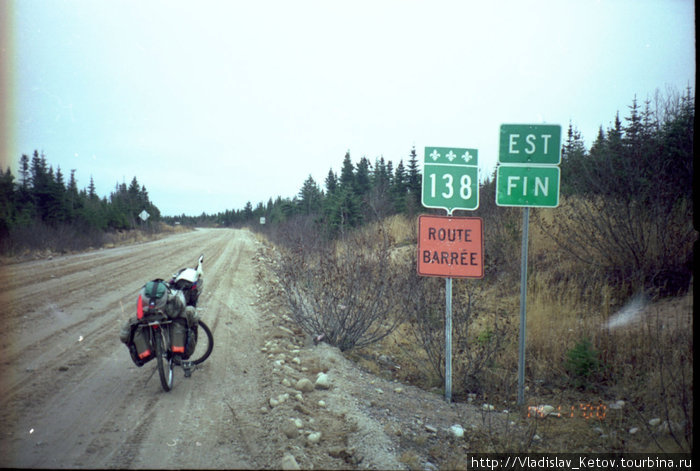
x,y
165,362
205,345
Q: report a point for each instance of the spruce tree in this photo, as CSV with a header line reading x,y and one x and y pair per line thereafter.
x,y
248,211
56,201
310,197
380,177
331,183
573,165
72,196
7,202
414,176
92,193
399,188
362,178
24,171
342,207
347,173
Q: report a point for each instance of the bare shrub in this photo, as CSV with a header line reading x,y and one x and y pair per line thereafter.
x,y
426,314
59,239
634,243
348,291
300,232
477,337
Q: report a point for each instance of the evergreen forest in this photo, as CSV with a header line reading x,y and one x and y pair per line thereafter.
x,y
40,210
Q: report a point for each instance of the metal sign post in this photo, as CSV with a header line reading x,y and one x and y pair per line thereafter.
x,y
448,335
450,247
448,339
523,310
527,175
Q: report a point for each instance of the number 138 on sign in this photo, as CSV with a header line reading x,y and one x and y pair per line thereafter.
x,y
450,179
465,186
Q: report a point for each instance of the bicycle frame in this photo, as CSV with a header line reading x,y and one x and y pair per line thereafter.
x,y
159,340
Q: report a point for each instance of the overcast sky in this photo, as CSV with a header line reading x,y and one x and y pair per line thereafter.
x,y
211,104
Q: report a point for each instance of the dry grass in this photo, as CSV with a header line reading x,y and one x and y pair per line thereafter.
x,y
54,243
402,230
646,362
115,239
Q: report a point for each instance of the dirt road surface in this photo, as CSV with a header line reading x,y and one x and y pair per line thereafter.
x,y
70,396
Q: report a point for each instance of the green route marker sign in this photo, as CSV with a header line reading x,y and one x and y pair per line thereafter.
x,y
450,178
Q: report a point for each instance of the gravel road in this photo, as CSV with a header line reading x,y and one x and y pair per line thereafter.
x,y
70,396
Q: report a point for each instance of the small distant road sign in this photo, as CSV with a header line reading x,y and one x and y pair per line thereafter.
x,y
144,215
450,247
450,178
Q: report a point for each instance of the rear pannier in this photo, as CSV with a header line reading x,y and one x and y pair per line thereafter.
x,y
140,349
178,335
155,298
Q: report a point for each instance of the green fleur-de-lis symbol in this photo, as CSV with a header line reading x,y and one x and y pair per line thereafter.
x,y
451,156
434,154
467,157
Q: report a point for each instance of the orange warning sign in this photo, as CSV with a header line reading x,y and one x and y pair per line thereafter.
x,y
450,247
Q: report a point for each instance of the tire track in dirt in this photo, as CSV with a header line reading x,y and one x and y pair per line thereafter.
x,y
127,452
238,432
68,274
90,326
51,269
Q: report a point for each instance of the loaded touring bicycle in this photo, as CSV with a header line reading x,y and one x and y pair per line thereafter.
x,y
167,326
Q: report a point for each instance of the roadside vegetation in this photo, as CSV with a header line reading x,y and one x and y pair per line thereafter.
x,y
40,213
609,360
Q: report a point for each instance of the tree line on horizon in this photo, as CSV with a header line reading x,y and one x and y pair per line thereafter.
x,y
42,204
626,188
626,202
358,193
629,198
646,158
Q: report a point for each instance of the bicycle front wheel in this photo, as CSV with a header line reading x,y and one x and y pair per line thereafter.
x,y
165,362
